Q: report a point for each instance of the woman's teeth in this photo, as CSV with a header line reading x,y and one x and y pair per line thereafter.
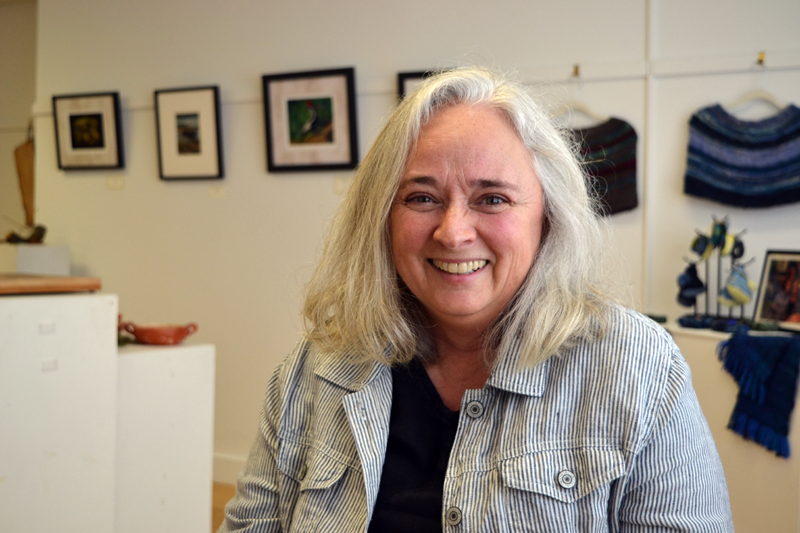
x,y
460,268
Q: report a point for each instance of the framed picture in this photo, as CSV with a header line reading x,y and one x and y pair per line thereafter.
x,y
189,133
779,291
310,120
407,81
88,131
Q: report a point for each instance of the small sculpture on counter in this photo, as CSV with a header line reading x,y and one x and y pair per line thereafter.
x,y
160,334
36,236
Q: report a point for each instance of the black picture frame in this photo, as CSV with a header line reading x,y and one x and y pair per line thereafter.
x,y
779,290
189,133
310,120
88,130
407,81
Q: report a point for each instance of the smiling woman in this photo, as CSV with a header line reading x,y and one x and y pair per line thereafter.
x,y
469,196
462,367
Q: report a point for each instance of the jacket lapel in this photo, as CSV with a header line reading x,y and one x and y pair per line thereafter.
x,y
368,413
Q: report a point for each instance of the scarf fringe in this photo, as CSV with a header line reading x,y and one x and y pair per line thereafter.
x,y
748,369
752,429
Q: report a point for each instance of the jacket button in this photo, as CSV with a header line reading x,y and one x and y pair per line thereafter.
x,y
303,471
566,479
474,409
453,516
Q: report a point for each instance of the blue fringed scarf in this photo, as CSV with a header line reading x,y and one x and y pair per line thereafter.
x,y
766,369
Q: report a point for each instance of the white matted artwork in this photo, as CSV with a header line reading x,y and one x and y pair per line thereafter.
x,y
310,120
88,131
189,133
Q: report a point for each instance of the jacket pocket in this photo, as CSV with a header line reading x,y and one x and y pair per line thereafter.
x,y
312,489
308,467
566,475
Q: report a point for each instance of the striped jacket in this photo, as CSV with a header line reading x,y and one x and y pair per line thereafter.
x,y
607,437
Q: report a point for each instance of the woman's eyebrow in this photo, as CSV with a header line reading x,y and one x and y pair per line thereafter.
x,y
419,180
494,184
481,183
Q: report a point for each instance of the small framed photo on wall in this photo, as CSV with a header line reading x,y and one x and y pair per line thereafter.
x,y
88,131
779,290
189,133
310,120
407,81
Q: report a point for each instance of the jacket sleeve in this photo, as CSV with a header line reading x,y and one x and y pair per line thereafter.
x,y
254,508
676,480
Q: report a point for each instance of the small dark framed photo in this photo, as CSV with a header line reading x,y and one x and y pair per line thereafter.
x,y
407,81
779,290
310,120
88,131
189,133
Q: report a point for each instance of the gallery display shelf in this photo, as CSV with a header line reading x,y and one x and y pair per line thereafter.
x,y
103,438
764,489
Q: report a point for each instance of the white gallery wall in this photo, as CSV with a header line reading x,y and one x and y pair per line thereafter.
x,y
17,92
704,53
233,254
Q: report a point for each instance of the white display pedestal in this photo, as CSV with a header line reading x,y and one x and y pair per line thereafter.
x,y
58,412
42,259
93,438
165,431
764,488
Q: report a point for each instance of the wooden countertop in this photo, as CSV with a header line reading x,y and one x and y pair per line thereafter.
x,y
35,284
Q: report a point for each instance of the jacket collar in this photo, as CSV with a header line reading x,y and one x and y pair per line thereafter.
x,y
511,375
347,372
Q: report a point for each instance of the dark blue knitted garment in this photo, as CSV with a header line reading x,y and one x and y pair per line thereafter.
x,y
766,369
744,163
608,151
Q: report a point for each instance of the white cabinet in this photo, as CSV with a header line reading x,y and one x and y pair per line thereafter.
x,y
165,441
764,488
58,412
96,439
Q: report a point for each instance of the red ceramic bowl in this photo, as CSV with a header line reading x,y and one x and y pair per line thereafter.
x,y
159,333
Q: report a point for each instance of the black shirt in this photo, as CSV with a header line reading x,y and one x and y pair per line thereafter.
x,y
421,434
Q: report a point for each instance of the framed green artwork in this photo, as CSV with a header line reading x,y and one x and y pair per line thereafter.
x,y
310,120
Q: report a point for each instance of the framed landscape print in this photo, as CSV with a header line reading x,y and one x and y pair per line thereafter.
x,y
779,290
88,131
310,120
189,133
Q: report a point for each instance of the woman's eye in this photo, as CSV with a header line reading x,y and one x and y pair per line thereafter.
x,y
420,202
420,199
493,200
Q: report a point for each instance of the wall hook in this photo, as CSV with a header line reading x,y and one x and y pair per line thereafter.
x,y
760,60
576,70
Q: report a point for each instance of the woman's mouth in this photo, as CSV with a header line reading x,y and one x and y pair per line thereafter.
x,y
467,267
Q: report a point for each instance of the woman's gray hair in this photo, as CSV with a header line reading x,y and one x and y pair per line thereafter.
x,y
356,302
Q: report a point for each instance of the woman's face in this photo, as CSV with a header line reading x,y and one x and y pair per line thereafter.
x,y
467,219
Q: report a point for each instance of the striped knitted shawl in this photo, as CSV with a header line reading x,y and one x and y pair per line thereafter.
x,y
608,151
744,163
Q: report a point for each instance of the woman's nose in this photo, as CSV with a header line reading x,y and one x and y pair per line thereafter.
x,y
455,228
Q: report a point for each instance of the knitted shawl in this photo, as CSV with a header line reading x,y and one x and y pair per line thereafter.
x,y
608,151
744,163
766,369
